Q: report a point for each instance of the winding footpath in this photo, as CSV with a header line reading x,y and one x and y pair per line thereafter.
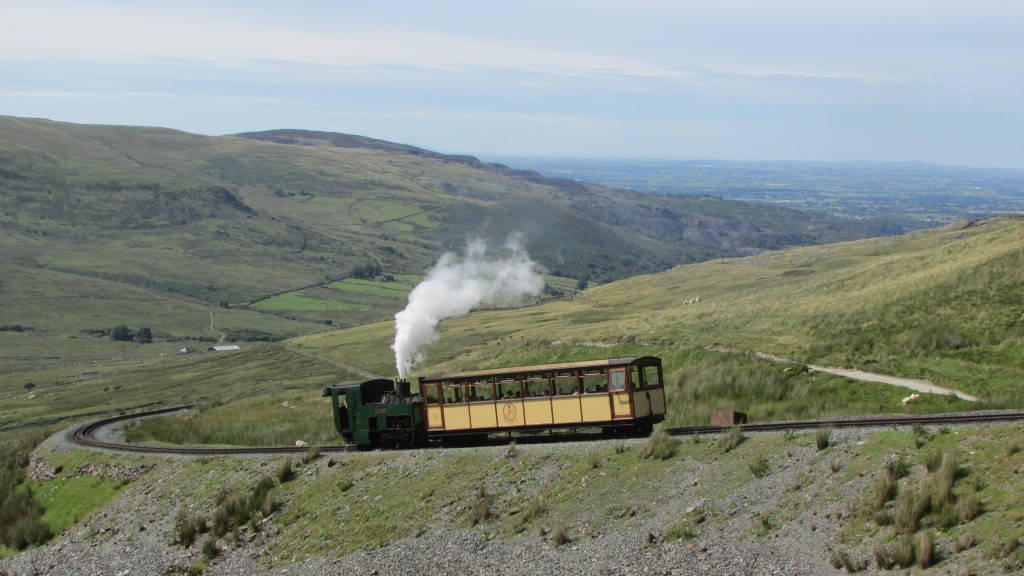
x,y
925,386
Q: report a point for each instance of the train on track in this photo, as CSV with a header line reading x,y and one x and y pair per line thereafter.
x,y
616,395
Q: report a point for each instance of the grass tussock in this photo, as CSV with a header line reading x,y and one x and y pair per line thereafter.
x,y
885,488
759,467
481,510
660,446
232,513
559,537
823,437
285,472
187,528
899,552
311,454
729,441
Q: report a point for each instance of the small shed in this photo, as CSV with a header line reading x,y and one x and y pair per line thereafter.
x,y
728,418
222,348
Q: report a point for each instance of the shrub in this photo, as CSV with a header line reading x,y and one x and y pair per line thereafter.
x,y
823,437
660,445
21,516
760,467
728,441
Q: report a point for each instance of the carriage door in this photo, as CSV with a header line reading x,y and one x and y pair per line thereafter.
x,y
621,407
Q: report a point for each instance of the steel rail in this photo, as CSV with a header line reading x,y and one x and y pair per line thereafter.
x,y
85,435
864,422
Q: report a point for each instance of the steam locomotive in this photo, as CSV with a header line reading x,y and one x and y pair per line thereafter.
x,y
614,394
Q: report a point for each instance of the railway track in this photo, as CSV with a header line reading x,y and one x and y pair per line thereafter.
x,y
866,422
85,434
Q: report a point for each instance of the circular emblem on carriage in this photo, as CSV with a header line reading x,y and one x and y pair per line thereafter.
x,y
509,411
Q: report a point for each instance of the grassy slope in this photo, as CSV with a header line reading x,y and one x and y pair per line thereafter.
x,y
941,304
232,219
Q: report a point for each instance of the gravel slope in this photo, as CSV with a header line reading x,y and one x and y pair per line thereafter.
x,y
134,533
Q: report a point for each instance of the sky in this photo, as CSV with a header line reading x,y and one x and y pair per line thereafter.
x,y
938,81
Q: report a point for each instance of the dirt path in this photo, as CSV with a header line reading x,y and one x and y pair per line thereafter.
x,y
212,328
925,386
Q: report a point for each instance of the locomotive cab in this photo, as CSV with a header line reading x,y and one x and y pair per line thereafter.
x,y
377,413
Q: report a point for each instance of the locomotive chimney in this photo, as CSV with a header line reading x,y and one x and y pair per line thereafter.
x,y
402,388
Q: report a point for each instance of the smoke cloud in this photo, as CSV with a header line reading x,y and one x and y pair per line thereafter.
x,y
454,287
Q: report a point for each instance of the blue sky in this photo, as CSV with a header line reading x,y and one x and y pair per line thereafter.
x,y
929,80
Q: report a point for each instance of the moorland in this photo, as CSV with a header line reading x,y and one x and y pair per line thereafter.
x,y
278,240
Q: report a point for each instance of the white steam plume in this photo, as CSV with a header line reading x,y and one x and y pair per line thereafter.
x,y
454,287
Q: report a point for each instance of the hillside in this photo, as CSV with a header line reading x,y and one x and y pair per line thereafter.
x,y
940,304
230,221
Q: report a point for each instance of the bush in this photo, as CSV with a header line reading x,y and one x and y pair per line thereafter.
x,y
21,522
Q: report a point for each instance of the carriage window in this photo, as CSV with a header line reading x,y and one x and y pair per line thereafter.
x,y
481,391
595,381
453,392
430,393
639,378
651,377
537,386
510,389
565,384
618,378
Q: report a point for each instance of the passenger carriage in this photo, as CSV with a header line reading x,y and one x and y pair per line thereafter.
x,y
614,394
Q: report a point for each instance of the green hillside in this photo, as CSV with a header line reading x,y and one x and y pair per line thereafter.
x,y
199,220
943,305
